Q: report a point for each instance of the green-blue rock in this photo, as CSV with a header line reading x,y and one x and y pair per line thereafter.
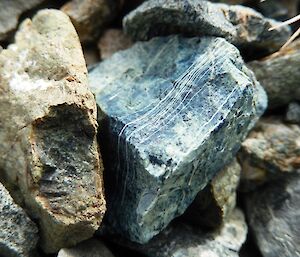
x,y
174,112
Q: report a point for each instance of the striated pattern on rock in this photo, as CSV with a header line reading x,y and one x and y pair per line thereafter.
x,y
49,157
240,25
18,234
174,113
279,74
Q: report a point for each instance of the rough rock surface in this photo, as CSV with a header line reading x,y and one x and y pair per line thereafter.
x,y
113,40
271,150
89,248
183,240
279,75
10,11
273,214
240,25
293,113
49,158
18,234
174,113
90,16
217,200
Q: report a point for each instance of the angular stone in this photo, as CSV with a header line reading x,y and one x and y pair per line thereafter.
x,y
113,40
174,113
18,234
271,150
89,248
183,240
91,16
10,11
293,113
279,75
49,156
240,25
217,200
273,214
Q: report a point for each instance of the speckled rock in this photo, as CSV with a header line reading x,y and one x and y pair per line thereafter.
x,y
279,75
113,40
271,150
293,113
174,113
183,240
217,200
273,214
91,16
10,11
49,158
19,235
89,248
240,25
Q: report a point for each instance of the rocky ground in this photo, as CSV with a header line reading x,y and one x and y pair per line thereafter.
x,y
151,128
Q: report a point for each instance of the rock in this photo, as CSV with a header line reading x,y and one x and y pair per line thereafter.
x,y
279,75
183,240
273,214
113,40
293,113
89,248
214,203
230,1
91,55
240,25
49,156
179,108
271,150
19,235
91,16
10,11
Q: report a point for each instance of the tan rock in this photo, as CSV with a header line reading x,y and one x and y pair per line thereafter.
x,y
49,156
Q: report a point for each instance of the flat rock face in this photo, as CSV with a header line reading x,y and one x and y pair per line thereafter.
x,y
183,240
174,113
271,150
273,213
279,75
10,11
217,200
49,156
240,25
293,113
19,235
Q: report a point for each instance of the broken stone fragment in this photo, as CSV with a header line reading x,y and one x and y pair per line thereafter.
x,y
89,248
183,240
49,157
293,113
279,75
174,113
217,200
112,41
91,16
18,234
10,11
270,151
240,25
273,215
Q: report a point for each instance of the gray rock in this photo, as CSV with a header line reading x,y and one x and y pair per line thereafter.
x,y
174,113
89,248
10,11
240,25
18,234
217,200
49,158
273,214
185,241
279,74
271,151
293,113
